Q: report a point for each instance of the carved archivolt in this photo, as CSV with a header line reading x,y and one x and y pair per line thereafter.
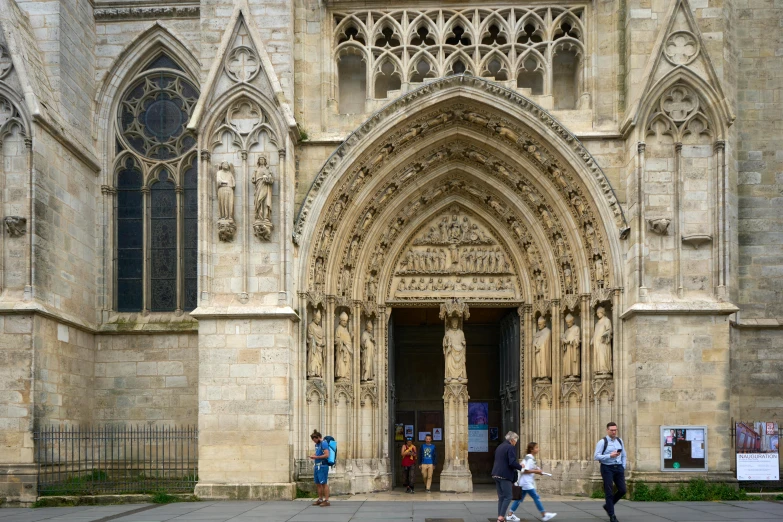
x,y
5,62
10,119
548,164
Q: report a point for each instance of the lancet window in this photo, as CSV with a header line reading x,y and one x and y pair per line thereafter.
x,y
536,48
156,191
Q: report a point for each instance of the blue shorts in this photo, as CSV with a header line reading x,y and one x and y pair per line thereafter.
x,y
321,474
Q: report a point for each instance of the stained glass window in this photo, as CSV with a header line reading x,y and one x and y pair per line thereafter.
x,y
157,240
130,226
163,244
190,248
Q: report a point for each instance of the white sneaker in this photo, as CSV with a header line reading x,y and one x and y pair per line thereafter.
x,y
512,518
549,516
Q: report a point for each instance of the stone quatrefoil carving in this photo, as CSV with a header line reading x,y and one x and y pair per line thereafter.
x,y
681,48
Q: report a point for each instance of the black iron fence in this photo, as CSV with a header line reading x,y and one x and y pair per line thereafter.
x,y
115,460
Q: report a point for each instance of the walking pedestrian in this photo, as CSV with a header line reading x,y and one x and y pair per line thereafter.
x,y
408,465
503,471
321,469
429,459
610,452
527,482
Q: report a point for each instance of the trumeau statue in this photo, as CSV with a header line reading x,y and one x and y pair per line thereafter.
x,y
262,181
315,347
343,350
572,341
367,353
602,343
454,353
542,348
224,176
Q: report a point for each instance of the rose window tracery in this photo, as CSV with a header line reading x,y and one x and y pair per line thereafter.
x,y
154,113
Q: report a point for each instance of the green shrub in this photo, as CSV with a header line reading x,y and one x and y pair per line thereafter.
x,y
695,490
301,493
598,493
164,498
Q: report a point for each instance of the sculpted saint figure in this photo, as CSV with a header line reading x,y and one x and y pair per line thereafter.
x,y
571,348
315,347
262,180
343,350
542,347
225,192
454,353
602,343
368,352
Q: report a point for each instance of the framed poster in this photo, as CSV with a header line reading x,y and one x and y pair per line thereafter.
x,y
757,447
399,432
478,427
683,448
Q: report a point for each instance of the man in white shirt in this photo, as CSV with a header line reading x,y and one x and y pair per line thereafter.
x,y
611,454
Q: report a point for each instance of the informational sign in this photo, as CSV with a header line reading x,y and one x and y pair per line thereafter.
x,y
423,435
478,427
683,448
408,430
437,434
758,452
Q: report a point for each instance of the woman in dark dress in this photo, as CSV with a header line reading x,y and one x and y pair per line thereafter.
x,y
504,472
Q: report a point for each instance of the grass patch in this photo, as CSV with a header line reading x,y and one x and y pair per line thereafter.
x,y
694,490
598,493
164,498
779,497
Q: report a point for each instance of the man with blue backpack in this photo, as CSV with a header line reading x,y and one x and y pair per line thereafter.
x,y
611,454
324,458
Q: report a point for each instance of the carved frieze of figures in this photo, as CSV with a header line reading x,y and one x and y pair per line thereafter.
x,y
262,181
455,284
224,177
343,350
315,347
542,351
659,225
572,353
602,343
367,353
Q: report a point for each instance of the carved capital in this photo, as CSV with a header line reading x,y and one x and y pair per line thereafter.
x,y
640,147
281,152
678,147
243,153
108,190
16,226
145,189
719,145
205,155
179,189
28,144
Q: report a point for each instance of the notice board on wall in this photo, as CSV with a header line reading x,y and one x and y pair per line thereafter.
x,y
683,448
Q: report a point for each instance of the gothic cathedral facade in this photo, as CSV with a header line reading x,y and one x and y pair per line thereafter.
x,y
214,209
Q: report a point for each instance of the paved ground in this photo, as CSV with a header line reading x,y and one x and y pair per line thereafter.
x,y
399,511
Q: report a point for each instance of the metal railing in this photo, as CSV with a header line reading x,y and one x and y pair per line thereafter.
x,y
116,459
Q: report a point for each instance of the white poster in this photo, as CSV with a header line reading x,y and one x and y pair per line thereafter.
x,y
478,438
758,466
437,434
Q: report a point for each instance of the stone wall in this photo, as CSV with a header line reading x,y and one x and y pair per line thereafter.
x,y
141,379
678,373
64,373
65,257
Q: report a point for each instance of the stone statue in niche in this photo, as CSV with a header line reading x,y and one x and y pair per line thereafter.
x,y
602,343
315,347
262,181
15,225
343,350
225,195
572,341
367,353
454,353
542,348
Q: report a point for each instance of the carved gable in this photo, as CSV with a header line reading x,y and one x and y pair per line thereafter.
x,y
454,254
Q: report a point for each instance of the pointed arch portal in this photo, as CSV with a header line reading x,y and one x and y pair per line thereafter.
x,y
460,189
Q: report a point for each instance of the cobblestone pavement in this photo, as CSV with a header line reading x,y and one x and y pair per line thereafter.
x,y
398,511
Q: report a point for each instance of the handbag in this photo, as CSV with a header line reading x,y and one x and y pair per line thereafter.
x,y
516,492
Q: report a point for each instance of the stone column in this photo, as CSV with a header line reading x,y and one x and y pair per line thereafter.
x,y
456,474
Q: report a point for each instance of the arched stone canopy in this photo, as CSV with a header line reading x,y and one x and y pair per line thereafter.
x,y
542,187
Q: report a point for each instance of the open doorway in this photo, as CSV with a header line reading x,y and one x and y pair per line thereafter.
x,y
416,371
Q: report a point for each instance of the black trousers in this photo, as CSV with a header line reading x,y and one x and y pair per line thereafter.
x,y
613,475
408,476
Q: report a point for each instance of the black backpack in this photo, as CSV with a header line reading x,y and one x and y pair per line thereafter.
x,y
606,443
